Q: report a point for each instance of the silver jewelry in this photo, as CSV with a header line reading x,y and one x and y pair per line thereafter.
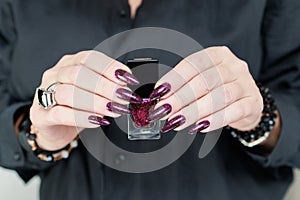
x,y
46,97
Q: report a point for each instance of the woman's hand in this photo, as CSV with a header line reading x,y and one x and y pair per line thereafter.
x,y
212,88
93,85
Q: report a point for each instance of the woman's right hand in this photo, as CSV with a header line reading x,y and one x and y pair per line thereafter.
x,y
90,81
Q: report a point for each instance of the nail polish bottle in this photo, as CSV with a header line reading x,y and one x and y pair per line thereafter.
x,y
139,128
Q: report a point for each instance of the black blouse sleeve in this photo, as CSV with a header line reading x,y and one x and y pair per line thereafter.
x,y
281,73
12,156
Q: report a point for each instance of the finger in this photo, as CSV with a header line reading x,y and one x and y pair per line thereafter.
x,y
103,65
237,111
90,81
62,115
218,99
70,117
74,97
190,67
200,86
195,88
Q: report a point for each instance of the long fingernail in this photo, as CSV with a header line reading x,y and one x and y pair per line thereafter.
x,y
199,127
127,95
160,112
160,91
117,108
173,123
126,77
93,119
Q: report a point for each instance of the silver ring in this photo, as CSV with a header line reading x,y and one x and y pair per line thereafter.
x,y
46,97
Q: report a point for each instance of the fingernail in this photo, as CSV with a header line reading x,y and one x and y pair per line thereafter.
x,y
173,123
93,119
160,112
117,108
199,127
127,95
160,91
126,77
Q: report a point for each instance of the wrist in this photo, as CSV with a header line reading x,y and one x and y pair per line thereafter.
x,y
51,140
257,135
267,146
28,139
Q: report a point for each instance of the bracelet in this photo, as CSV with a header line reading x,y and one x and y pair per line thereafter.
x,y
261,132
27,138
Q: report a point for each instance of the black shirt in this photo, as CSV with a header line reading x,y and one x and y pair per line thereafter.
x,y
35,34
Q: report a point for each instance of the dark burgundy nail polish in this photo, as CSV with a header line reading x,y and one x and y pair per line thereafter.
x,y
173,123
93,119
117,108
160,112
126,77
160,91
127,95
199,127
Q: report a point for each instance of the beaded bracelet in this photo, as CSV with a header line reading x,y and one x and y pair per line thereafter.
x,y
262,131
49,156
28,141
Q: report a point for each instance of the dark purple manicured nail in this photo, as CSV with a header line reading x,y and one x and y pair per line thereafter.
x,y
199,127
93,119
160,112
160,91
117,108
126,77
127,95
173,123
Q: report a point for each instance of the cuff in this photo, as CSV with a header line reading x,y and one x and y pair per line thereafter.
x,y
12,155
287,149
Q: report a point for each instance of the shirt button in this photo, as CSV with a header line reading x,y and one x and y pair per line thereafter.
x,y
119,159
17,156
123,13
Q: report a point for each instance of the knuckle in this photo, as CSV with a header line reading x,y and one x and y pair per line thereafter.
x,y
243,67
84,56
65,57
74,72
225,49
96,53
64,60
68,74
212,79
214,48
205,85
46,75
221,50
224,73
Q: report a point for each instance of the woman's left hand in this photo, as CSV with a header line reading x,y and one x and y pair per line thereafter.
x,y
211,88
